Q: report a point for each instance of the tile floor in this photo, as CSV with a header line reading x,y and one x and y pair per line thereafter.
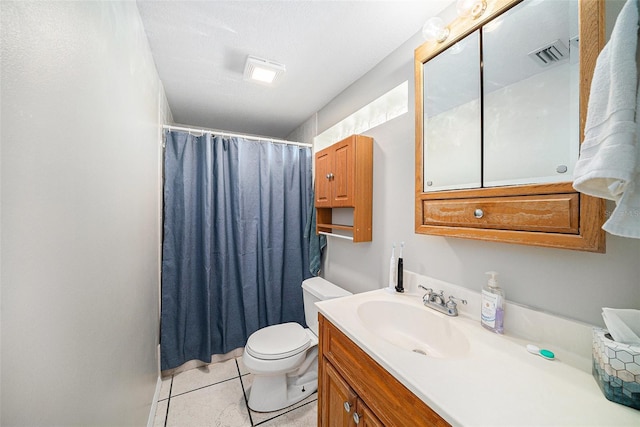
x,y
216,395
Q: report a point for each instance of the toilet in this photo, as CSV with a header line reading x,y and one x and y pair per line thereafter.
x,y
284,358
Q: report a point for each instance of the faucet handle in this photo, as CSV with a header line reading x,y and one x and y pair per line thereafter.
x,y
426,297
452,301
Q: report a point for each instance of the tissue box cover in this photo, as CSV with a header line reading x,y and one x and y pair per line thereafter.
x,y
616,368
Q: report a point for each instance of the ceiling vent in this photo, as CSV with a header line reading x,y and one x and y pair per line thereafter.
x,y
550,54
262,71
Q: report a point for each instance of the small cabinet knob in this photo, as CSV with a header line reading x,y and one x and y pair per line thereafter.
x,y
347,407
356,418
478,213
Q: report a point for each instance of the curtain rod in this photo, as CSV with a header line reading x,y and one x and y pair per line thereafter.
x,y
222,133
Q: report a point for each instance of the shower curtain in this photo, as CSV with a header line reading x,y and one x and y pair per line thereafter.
x,y
234,255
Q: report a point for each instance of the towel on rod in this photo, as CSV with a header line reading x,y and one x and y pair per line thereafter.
x,y
609,164
317,242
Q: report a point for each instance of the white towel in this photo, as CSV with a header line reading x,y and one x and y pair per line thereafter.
x,y
609,163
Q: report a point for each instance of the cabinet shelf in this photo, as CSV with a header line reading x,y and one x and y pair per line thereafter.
x,y
336,226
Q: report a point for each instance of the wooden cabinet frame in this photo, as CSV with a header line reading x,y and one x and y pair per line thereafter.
x,y
344,179
586,234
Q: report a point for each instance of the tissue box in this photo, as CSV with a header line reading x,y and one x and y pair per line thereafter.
x,y
616,368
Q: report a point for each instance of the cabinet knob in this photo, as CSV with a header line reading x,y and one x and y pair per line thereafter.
x,y
356,418
347,407
329,176
478,213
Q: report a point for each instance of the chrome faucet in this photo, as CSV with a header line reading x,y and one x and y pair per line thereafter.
x,y
437,301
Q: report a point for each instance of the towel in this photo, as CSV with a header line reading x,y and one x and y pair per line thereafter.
x,y
317,242
609,163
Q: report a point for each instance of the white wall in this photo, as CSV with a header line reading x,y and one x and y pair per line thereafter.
x,y
571,283
81,106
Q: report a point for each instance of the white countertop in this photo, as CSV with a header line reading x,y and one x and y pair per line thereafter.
x,y
498,383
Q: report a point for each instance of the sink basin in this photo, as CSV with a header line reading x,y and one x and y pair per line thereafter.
x,y
415,329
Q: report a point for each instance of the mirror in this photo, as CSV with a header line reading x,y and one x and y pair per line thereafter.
x,y
530,87
452,117
500,107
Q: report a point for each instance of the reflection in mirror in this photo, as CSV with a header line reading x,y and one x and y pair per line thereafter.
x,y
452,117
530,94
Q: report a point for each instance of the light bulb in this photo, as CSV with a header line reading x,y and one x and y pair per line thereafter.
x,y
473,8
434,29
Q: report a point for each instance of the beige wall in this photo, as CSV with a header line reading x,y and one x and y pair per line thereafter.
x,y
570,283
81,108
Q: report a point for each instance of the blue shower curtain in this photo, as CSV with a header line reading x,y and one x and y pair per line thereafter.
x,y
234,255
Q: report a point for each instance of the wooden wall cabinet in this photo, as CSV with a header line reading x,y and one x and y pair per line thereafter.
x,y
552,214
344,179
351,382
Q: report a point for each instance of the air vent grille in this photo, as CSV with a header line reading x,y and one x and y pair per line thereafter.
x,y
550,54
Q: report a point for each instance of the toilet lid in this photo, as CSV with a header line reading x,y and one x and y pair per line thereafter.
x,y
278,341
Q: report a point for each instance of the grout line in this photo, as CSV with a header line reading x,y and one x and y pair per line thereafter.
x,y
166,415
290,410
244,393
205,386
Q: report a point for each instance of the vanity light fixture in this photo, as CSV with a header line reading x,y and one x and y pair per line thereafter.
x,y
262,71
472,8
434,29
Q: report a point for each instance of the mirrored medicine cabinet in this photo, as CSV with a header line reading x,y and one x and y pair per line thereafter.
x,y
500,108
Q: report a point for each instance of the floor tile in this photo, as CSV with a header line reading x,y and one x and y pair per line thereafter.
x,y
161,413
220,404
165,387
259,417
302,416
201,377
243,369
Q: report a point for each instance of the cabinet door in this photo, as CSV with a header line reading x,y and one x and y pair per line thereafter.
x,y
343,181
323,178
339,399
367,417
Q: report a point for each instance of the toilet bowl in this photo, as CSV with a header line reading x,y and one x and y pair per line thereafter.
x,y
284,358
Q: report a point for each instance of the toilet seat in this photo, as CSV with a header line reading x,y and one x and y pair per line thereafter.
x,y
278,341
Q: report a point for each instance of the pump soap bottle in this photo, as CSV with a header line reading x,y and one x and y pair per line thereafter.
x,y
492,311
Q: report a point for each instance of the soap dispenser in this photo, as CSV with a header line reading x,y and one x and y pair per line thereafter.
x,y
492,311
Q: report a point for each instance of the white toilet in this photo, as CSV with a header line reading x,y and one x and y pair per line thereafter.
x,y
284,358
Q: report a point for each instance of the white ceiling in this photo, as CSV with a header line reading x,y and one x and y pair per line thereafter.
x,y
200,49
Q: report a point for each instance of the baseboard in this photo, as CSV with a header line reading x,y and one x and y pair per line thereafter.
x,y
154,404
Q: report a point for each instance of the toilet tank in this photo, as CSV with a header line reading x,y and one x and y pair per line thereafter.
x,y
318,289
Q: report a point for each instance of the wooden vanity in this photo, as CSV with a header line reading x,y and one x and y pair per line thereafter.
x,y
368,376
353,389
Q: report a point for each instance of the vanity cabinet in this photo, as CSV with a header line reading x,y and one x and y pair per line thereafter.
x,y
344,179
498,131
343,407
351,382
